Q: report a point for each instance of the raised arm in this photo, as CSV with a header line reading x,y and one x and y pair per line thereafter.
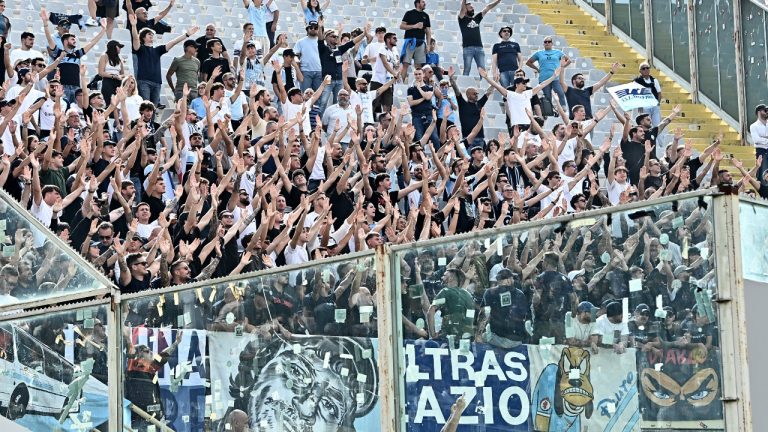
x,y
604,80
494,84
546,82
190,32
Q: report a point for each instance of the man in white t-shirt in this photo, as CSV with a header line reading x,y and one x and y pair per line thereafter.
x,y
371,54
26,51
519,100
238,101
582,331
612,329
618,180
385,68
293,103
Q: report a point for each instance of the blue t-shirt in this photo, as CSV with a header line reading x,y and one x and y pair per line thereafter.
x,y
306,47
549,60
258,17
310,15
69,66
198,106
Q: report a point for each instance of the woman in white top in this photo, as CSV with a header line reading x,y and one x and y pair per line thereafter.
x,y
133,101
111,70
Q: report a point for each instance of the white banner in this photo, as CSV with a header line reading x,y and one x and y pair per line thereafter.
x,y
632,96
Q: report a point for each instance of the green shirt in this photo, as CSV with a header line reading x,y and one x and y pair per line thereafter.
x,y
187,70
454,312
57,178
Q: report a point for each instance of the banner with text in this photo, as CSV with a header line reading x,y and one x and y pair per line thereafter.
x,y
632,96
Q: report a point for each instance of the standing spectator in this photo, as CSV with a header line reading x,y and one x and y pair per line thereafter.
x,y
216,59
759,133
456,302
69,67
240,44
26,51
144,21
384,69
109,9
257,15
469,109
238,102
111,69
506,58
549,61
433,59
312,10
646,80
5,23
578,94
370,55
509,310
187,69
420,100
148,76
471,40
519,99
203,50
309,57
417,32
330,59
272,17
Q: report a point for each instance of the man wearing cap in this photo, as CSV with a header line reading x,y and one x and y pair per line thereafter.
x,y
611,329
330,59
759,133
506,58
307,50
69,67
453,302
187,69
471,40
678,293
26,51
644,334
582,328
519,99
508,312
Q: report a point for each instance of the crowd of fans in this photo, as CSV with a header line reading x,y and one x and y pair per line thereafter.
x,y
292,148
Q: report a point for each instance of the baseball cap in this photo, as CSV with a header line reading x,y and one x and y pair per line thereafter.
x,y
575,273
520,80
760,107
289,52
64,23
585,306
642,307
679,269
505,273
311,24
505,28
119,45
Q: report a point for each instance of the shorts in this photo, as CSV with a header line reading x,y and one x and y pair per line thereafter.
x,y
110,11
418,54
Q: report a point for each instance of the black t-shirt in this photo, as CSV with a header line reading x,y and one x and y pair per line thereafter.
x,y
643,333
425,107
293,198
466,216
288,82
506,55
136,285
156,205
469,114
69,67
576,96
634,154
13,184
509,310
202,49
412,17
330,59
377,198
470,30
149,63
555,295
343,205
210,64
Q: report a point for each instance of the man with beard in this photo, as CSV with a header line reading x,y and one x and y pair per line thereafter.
x,y
611,329
578,93
361,97
471,40
582,327
644,336
330,51
326,385
553,296
509,310
453,301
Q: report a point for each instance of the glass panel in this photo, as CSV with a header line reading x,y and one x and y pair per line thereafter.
x,y
621,15
663,45
598,5
32,268
707,50
637,21
754,237
680,43
727,50
601,323
754,22
53,371
290,351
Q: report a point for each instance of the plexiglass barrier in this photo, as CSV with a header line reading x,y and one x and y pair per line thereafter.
x,y
286,351
602,323
53,370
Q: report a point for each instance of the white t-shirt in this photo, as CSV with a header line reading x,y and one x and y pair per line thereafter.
x,y
43,213
132,104
615,190
582,332
516,104
380,73
334,112
290,110
365,100
145,230
237,107
19,54
603,327
46,116
372,51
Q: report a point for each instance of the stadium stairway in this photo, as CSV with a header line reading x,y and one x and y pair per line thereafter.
x,y
589,36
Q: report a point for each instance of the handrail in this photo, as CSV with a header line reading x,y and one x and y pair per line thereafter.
x,y
763,5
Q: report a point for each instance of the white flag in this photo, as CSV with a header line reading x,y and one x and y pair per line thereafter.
x,y
632,96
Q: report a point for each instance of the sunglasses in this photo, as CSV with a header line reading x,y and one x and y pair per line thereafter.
x,y
644,68
105,237
547,41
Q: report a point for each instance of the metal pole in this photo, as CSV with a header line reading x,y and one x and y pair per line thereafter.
x,y
741,85
648,15
731,316
692,53
388,341
609,16
115,362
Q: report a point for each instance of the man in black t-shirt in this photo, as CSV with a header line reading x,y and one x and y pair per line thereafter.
x,y
420,100
417,32
469,24
203,52
506,58
578,94
469,109
509,310
216,59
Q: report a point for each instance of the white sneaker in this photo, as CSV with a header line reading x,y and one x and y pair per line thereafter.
x,y
90,22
